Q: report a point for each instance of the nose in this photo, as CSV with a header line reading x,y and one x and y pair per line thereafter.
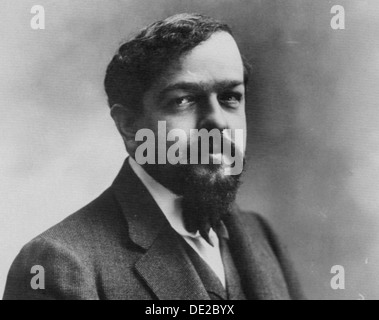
x,y
212,115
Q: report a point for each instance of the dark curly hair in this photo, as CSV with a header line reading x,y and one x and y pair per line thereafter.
x,y
141,60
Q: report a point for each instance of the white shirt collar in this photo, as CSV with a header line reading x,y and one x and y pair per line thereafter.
x,y
170,205
167,201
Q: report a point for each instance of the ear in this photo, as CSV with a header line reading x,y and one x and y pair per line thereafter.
x,y
126,122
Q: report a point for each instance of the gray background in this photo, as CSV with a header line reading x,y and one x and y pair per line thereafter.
x,y
313,123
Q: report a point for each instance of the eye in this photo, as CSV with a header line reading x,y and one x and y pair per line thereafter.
x,y
184,102
231,99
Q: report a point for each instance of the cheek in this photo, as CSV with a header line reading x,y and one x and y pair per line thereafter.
x,y
162,125
239,123
182,122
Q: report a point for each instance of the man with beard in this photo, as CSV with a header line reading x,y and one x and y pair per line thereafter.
x,y
165,231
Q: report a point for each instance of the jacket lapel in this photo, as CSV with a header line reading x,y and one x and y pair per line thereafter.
x,y
164,264
168,271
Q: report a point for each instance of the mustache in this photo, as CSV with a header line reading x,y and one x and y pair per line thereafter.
x,y
214,146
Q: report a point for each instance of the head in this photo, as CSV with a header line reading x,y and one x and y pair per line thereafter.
x,y
188,72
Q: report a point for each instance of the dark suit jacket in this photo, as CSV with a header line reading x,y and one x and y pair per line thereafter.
x,y
120,246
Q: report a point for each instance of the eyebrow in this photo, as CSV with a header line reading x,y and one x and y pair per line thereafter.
x,y
199,86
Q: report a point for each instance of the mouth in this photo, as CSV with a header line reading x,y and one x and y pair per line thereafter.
x,y
216,156
220,158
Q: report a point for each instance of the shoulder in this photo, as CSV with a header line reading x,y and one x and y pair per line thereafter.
x,y
259,230
256,224
70,253
252,218
82,231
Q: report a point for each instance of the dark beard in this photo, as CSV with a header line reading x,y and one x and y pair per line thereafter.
x,y
207,198
208,194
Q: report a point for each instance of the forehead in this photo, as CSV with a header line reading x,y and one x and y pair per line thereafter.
x,y
215,60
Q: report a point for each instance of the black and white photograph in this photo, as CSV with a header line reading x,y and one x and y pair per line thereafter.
x,y
189,150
